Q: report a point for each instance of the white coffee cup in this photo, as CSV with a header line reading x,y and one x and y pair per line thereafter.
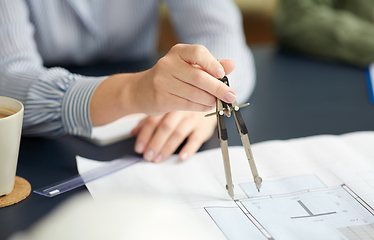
x,y
11,116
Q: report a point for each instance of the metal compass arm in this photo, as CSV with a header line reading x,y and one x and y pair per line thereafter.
x,y
243,131
225,109
223,137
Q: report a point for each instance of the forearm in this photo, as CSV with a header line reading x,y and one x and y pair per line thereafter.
x,y
112,99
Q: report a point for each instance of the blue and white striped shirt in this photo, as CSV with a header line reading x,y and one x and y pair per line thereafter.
x,y
36,33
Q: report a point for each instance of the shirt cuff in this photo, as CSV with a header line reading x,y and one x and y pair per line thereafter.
x,y
75,112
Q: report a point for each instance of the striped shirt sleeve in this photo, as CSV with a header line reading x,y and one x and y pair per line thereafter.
x,y
56,101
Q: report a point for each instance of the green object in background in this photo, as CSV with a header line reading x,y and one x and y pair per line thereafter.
x,y
334,29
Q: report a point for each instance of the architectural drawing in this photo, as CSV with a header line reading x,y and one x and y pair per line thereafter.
x,y
297,214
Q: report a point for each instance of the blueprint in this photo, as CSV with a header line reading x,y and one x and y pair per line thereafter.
x,y
301,214
319,187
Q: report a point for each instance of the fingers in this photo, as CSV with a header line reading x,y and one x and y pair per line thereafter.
x,y
145,133
198,133
137,129
159,138
200,55
205,80
169,124
197,137
199,86
184,79
194,95
186,101
176,139
194,142
228,65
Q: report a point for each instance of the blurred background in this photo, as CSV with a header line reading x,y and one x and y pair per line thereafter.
x,y
257,15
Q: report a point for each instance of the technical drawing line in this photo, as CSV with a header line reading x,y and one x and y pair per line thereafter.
x,y
317,215
254,220
310,212
305,208
358,198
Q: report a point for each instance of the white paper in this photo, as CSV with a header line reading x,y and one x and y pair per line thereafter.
x,y
320,163
115,131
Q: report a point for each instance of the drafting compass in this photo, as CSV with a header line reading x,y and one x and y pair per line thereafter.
x,y
222,109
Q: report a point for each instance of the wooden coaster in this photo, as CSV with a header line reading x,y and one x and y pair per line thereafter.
x,y
21,190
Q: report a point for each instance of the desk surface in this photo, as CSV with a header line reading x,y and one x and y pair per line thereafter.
x,y
294,97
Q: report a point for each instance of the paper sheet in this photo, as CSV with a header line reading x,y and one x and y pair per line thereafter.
x,y
115,131
320,163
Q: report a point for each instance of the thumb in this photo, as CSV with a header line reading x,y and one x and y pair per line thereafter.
x,y
228,65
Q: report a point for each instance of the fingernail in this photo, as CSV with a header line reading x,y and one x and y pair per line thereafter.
x,y
230,97
149,155
159,158
220,73
139,147
184,156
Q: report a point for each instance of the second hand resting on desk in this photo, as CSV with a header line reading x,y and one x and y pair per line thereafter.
x,y
225,109
222,109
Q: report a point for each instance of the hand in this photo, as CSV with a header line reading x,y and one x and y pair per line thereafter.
x,y
159,136
184,79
